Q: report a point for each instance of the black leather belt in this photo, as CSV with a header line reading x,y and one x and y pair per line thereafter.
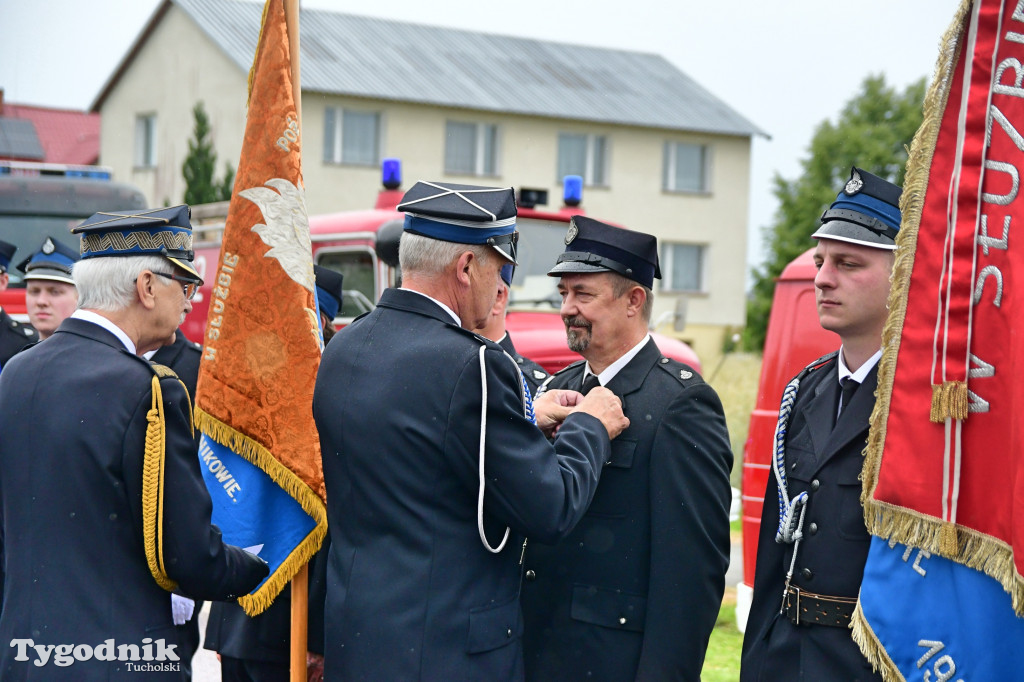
x,y
807,608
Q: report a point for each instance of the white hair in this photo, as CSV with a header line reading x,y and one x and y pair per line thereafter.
x,y
426,256
109,283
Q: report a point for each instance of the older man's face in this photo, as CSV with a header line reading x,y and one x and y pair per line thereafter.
x,y
592,313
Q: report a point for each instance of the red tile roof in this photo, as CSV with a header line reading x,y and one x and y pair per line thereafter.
x,y
67,136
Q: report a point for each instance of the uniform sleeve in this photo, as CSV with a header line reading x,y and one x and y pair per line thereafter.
x,y
539,489
194,554
690,498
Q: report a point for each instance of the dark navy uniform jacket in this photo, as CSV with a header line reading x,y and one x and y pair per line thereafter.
x,y
635,590
411,591
535,374
14,336
73,418
826,463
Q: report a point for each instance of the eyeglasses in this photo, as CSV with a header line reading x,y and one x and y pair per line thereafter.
x,y
189,285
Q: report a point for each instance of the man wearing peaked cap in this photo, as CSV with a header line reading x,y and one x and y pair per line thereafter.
x,y
13,334
431,497
104,507
494,329
634,591
50,294
805,634
329,297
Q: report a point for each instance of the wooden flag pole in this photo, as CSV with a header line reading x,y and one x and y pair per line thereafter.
x,y
300,583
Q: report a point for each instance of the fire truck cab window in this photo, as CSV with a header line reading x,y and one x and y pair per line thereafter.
x,y
358,268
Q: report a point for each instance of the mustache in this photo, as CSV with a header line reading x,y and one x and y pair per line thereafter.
x,y
576,321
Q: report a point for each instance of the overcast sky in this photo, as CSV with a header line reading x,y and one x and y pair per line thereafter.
x,y
786,65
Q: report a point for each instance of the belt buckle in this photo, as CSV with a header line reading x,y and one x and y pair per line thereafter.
x,y
793,602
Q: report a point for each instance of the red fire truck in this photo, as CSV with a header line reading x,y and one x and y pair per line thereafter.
x,y
362,245
47,199
794,339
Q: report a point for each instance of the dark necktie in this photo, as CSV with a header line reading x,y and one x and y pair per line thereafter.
x,y
590,382
850,386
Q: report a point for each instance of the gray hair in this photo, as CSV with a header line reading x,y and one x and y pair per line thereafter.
x,y
621,284
109,283
426,256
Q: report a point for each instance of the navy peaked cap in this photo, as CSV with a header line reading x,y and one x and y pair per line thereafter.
x,y
328,290
53,261
163,232
6,254
593,246
866,212
463,214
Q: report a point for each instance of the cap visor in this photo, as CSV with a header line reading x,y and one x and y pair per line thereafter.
x,y
854,234
504,251
186,266
49,275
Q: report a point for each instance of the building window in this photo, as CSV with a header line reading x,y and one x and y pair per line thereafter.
x,y
471,148
582,155
683,267
352,137
686,167
145,141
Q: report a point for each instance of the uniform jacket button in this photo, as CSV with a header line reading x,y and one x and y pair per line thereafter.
x,y
815,484
622,620
508,633
812,529
807,574
531,575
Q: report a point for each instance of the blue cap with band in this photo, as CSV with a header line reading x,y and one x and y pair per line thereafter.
x,y
593,246
865,212
464,214
328,290
163,232
53,261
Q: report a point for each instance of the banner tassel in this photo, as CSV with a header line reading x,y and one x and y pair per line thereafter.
x,y
948,540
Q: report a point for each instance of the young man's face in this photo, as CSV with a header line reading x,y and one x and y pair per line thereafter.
x,y
851,288
49,303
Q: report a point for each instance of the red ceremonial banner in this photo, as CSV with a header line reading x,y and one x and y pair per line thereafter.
x,y
943,467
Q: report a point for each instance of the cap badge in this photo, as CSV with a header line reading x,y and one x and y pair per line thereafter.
x,y
571,234
48,246
854,185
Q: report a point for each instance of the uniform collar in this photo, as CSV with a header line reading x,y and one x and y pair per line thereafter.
x,y
611,370
90,316
443,306
862,371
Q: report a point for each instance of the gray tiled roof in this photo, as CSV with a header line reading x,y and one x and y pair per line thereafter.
x,y
18,140
359,56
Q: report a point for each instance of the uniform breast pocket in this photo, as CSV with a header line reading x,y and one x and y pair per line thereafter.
x,y
612,497
851,513
493,627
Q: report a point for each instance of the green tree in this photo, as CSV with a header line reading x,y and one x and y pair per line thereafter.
x,y
198,169
873,132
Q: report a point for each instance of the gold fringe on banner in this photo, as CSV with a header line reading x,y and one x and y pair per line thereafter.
x,y
259,46
257,454
949,401
872,649
947,539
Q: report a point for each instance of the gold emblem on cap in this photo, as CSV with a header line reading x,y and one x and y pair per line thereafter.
x,y
854,184
571,234
48,246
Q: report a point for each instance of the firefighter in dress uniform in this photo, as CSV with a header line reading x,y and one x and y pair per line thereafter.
x,y
14,335
813,543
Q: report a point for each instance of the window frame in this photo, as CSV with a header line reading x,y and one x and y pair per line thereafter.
x,y
145,152
334,135
590,165
667,260
669,176
482,131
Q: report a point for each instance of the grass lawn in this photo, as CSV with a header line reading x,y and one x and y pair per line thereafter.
x,y
722,663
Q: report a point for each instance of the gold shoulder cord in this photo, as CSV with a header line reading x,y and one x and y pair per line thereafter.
x,y
153,483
